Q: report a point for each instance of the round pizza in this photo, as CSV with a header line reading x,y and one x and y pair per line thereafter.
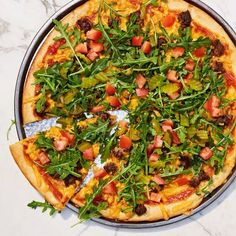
x,y
145,86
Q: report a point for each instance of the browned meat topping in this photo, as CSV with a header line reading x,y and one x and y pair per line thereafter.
x,y
85,24
218,48
185,19
140,209
110,168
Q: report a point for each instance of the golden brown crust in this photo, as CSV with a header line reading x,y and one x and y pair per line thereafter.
x,y
53,191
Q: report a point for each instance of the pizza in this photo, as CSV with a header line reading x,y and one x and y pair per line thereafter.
x,y
165,64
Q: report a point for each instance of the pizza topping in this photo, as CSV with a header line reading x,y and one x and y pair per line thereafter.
x,y
161,41
212,106
125,142
43,158
110,89
140,209
146,47
111,168
88,154
137,16
85,24
110,188
82,48
100,173
206,153
185,19
158,179
218,67
70,179
168,21
61,144
140,81
224,120
178,52
137,41
190,65
94,34
195,181
200,52
218,48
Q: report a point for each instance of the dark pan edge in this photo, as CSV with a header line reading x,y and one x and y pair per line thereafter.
x,y
45,29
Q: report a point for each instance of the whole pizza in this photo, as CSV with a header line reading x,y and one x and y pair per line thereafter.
x,y
169,69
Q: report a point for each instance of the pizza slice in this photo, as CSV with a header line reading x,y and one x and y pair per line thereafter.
x,y
56,161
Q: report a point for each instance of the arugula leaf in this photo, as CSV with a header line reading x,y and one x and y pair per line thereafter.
x,y
44,205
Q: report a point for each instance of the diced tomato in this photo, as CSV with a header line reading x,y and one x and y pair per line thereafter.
x,y
98,199
142,92
157,179
174,95
96,47
206,153
88,154
146,47
94,34
200,52
137,41
125,142
150,149
50,62
43,158
70,137
178,52
61,144
92,55
172,75
110,189
110,89
209,170
97,108
175,138
37,88
82,48
155,197
168,20
188,77
99,173
140,80
114,101
52,49
212,106
182,181
158,141
190,65
230,79
167,125
153,157
180,85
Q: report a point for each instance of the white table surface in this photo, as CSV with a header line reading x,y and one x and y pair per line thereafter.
x,y
19,22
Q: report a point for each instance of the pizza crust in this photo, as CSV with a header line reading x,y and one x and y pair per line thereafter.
x,y
58,196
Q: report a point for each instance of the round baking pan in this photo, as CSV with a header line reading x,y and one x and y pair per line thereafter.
x,y
37,41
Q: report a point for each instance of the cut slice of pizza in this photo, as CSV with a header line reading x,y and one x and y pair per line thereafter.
x,y
56,161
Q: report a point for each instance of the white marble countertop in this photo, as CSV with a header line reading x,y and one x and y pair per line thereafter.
x,y
19,22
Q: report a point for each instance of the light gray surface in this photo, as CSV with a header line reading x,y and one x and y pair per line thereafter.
x,y
19,21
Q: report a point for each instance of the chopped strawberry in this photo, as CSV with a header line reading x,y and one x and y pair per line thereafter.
x,y
175,138
182,181
188,77
172,75
110,89
61,144
150,149
70,137
200,52
99,173
146,47
96,47
92,55
97,108
157,179
82,48
212,106
110,189
155,197
178,52
167,125
114,101
174,95
43,158
88,154
140,80
190,65
154,157
137,41
94,34
230,79
168,21
206,153
158,141
142,92
125,142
